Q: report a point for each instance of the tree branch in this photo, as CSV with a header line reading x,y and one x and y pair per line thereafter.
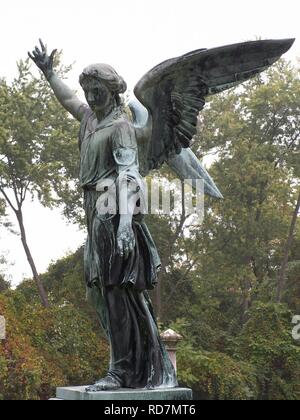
x,y
8,200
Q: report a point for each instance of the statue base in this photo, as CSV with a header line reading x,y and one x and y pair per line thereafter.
x,y
78,393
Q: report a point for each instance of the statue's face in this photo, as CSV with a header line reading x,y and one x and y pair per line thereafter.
x,y
97,94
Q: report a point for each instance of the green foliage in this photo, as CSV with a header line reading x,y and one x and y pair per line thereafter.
x,y
253,136
216,376
38,141
4,284
47,348
266,342
38,147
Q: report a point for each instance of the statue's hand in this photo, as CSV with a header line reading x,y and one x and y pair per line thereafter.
x,y
43,60
125,240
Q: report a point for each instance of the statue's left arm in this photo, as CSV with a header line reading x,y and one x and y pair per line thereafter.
x,y
129,182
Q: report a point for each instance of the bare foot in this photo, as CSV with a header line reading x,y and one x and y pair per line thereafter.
x,y
106,384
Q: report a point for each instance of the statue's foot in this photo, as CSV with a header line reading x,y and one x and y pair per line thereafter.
x,y
106,384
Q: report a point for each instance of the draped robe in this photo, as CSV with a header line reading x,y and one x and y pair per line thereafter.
x,y
117,286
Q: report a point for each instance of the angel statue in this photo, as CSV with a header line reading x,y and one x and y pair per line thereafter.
x,y
121,261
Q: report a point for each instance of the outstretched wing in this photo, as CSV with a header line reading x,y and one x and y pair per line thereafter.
x,y
185,164
174,92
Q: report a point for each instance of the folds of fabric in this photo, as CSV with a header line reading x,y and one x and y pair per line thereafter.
x,y
104,265
117,286
138,358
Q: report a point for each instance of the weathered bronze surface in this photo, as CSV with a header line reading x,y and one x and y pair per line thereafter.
x,y
121,260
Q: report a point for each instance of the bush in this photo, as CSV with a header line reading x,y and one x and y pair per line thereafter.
x,y
216,376
47,348
267,343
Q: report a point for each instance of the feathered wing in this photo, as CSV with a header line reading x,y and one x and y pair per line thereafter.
x,y
174,93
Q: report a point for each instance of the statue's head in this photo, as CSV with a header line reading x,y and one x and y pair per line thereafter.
x,y
102,86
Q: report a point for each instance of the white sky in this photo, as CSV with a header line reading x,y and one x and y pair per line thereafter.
x,y
133,36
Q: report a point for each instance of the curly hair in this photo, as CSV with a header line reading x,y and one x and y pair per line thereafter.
x,y
107,74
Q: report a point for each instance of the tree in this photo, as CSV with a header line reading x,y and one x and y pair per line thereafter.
x,y
38,149
255,133
287,249
237,253
218,279
4,284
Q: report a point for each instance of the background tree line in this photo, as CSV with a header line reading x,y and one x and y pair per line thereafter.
x,y
230,286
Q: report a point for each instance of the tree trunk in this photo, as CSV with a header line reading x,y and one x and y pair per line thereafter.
x,y
41,290
282,273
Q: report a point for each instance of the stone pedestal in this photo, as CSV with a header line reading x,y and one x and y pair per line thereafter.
x,y
161,394
170,339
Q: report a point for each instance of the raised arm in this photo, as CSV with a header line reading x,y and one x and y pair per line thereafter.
x,y
64,94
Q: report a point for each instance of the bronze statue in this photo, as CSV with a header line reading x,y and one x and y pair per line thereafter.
x,y
121,260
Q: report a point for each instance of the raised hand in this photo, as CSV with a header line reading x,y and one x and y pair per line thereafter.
x,y
43,61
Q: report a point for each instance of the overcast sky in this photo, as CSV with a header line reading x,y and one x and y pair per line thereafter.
x,y
133,36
